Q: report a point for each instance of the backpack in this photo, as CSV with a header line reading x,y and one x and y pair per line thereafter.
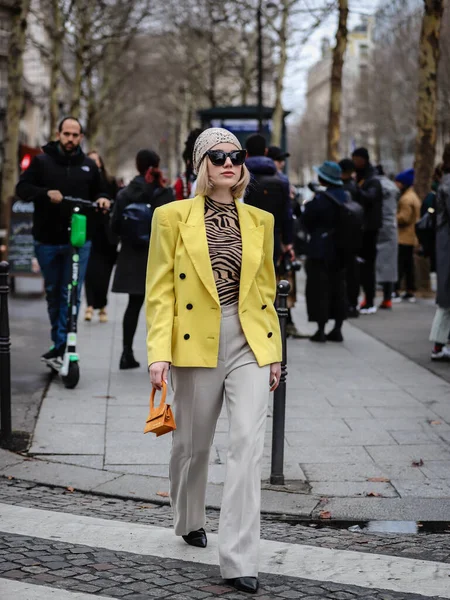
x,y
136,224
426,227
136,218
267,193
349,225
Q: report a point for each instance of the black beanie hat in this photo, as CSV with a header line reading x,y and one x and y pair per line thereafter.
x,y
146,159
362,153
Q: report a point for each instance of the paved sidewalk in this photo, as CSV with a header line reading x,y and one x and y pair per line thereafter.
x,y
359,415
407,329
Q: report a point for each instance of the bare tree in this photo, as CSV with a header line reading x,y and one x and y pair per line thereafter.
x,y
282,35
334,119
17,44
427,95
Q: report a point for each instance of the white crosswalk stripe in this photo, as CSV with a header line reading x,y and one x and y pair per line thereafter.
x,y
19,590
373,571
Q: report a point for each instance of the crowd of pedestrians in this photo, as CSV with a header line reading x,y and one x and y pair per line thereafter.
x,y
341,282
396,227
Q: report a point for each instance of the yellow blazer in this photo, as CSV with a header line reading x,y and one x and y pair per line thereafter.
x,y
182,305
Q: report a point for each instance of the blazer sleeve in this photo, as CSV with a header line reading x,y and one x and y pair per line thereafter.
x,y
160,293
266,280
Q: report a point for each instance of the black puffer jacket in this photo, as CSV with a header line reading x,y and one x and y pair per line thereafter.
x,y
73,175
131,267
370,195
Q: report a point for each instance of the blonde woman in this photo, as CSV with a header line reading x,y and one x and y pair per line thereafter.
x,y
211,318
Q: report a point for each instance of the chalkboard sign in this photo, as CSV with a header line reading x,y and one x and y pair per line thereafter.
x,y
21,243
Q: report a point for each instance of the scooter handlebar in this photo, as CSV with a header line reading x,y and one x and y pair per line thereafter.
x,y
79,201
84,203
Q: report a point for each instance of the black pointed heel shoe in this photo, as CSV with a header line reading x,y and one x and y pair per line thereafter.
x,y
196,538
245,584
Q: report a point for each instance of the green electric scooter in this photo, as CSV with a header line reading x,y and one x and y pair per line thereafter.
x,y
70,368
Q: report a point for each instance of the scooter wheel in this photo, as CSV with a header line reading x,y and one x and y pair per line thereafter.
x,y
73,376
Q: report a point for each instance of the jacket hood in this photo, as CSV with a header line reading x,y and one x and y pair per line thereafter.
x,y
261,165
138,189
54,150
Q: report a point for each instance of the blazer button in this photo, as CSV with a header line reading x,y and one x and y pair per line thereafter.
x,y
264,306
189,306
182,276
186,336
270,334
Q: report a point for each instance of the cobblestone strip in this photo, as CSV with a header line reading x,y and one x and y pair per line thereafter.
x,y
433,547
123,575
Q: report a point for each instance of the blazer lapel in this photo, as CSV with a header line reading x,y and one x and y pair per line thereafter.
x,y
252,250
193,233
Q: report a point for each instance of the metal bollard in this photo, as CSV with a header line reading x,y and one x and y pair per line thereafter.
x,y
5,358
279,398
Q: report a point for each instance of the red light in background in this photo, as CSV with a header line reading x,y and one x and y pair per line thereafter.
x,y
25,162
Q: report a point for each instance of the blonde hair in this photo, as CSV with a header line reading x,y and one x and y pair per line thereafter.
x,y
204,186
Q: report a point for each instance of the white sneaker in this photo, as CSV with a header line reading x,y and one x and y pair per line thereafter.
x,y
443,354
370,310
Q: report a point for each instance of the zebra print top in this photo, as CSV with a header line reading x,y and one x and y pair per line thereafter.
x,y
225,248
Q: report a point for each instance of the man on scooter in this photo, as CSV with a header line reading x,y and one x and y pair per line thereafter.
x,y
62,170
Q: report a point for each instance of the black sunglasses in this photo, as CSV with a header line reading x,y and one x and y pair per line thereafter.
x,y
219,157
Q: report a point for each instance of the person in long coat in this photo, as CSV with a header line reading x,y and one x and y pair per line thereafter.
x,y
441,324
147,187
326,296
408,213
103,252
387,243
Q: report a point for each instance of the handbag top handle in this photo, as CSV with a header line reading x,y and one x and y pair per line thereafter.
x,y
163,397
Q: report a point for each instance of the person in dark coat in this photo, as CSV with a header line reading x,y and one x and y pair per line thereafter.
x,y
61,170
352,271
103,252
148,187
428,247
279,156
325,271
441,324
370,196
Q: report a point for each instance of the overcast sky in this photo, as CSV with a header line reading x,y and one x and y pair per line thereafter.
x,y
295,82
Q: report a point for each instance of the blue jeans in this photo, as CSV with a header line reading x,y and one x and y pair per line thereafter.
x,y
55,263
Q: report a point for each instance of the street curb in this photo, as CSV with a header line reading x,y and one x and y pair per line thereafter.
x,y
143,488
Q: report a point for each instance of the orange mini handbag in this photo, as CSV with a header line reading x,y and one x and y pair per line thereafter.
x,y
160,419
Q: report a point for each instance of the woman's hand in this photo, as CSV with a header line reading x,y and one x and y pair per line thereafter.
x,y
158,373
275,375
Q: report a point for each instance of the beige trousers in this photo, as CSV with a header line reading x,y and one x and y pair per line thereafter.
x,y
198,398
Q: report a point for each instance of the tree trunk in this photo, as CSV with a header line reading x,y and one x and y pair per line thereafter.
x,y
84,15
14,107
334,116
278,113
57,47
427,96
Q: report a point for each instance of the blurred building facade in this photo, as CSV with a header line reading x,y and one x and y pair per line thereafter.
x,y
356,128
